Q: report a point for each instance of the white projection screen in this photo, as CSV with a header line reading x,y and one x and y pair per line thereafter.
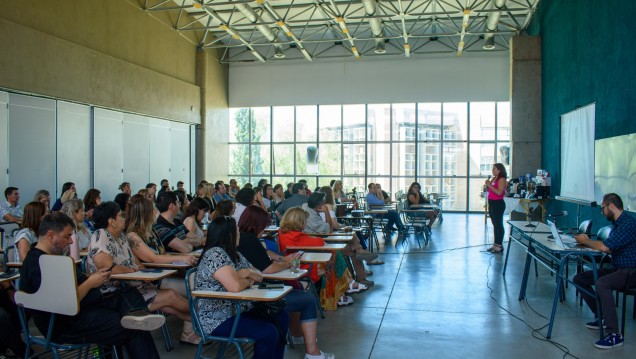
x,y
577,153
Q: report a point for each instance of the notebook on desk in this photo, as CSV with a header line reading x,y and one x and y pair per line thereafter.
x,y
565,241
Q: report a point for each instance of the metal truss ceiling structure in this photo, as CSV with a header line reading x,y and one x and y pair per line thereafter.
x,y
280,30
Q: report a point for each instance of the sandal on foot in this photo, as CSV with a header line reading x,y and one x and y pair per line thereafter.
x,y
361,287
345,300
190,338
375,261
495,249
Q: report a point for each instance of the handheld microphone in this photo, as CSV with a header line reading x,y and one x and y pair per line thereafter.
x,y
559,214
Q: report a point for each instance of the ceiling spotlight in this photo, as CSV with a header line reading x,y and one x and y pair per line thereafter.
x,y
278,53
379,48
490,44
197,4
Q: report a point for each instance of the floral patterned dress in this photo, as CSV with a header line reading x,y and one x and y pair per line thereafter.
x,y
103,241
213,312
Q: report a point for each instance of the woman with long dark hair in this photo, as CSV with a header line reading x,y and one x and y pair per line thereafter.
x,y
251,226
496,206
223,268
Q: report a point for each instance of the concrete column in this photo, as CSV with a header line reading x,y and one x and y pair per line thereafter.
x,y
212,150
525,102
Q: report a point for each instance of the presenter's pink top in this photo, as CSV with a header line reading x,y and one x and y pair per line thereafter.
x,y
493,195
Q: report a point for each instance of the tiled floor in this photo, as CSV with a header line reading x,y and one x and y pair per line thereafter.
x,y
449,300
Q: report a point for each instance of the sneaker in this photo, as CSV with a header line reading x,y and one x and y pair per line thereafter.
x,y
376,261
594,325
322,355
612,340
142,320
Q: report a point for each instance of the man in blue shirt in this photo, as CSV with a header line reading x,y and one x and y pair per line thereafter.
x,y
221,193
376,199
621,244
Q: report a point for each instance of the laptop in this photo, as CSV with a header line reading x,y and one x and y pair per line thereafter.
x,y
565,241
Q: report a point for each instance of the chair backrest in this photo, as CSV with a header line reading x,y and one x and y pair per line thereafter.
x,y
8,231
58,289
586,227
9,255
192,302
603,233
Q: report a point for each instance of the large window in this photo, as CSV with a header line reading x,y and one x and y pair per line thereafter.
x,y
447,147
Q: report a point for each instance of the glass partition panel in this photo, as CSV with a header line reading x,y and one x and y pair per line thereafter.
x,y
403,122
283,159
301,160
455,155
354,159
306,123
482,157
261,125
455,121
429,121
482,121
283,124
455,189
240,159
329,157
240,124
330,123
379,122
403,163
260,160
378,159
429,159
475,201
503,121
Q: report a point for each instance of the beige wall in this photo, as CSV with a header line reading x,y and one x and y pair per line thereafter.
x,y
110,53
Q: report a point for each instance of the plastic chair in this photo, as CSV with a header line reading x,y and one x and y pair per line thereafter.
x,y
57,295
198,329
628,290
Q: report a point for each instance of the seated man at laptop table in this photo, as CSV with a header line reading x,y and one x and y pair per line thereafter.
x,y
101,319
621,244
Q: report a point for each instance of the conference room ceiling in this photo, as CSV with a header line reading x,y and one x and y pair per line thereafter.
x,y
308,30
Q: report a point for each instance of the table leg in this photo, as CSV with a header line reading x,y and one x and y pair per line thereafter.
x,y
526,270
507,255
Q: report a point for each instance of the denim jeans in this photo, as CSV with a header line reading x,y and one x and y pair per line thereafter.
x,y
268,345
303,302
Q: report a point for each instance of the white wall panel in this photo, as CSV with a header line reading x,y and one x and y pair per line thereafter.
x,y
108,152
136,151
31,145
421,78
4,140
74,129
180,154
160,152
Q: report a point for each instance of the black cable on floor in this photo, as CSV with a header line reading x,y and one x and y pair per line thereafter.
x,y
536,332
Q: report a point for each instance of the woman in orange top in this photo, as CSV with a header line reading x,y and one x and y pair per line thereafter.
x,y
336,273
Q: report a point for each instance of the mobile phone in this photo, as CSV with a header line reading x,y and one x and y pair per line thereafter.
x,y
300,253
270,286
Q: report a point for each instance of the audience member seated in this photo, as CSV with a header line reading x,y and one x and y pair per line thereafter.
x,y
307,190
223,269
330,203
374,199
244,198
220,194
223,208
268,196
253,221
30,229
74,208
9,324
10,210
164,186
170,230
296,200
234,188
45,197
415,197
290,189
621,244
109,250
315,207
102,319
338,277
125,188
92,199
68,191
122,200
152,191
339,195
385,196
258,198
279,195
193,216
